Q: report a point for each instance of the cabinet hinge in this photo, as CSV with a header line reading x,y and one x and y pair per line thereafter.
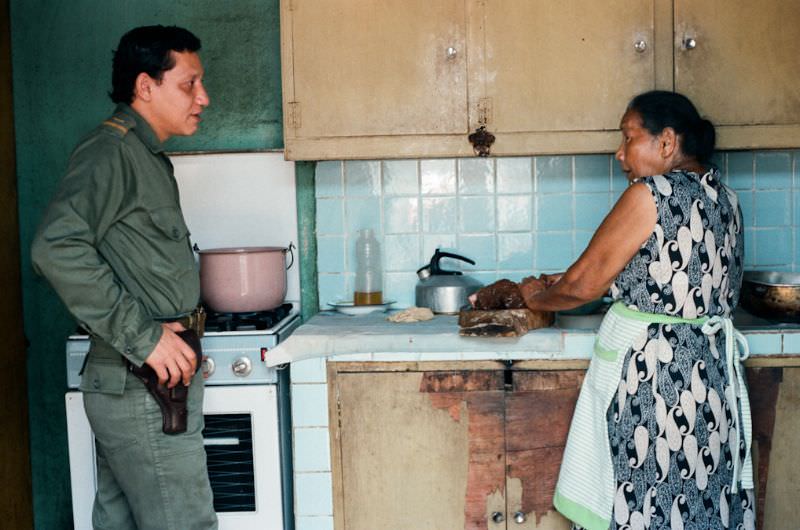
x,y
293,119
338,414
290,5
484,111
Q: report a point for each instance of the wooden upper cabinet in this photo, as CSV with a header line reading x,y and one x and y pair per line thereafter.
x,y
554,70
738,61
413,78
356,73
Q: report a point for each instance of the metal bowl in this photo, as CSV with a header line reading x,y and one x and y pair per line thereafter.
x,y
772,295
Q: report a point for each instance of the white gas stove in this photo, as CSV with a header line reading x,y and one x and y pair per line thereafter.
x,y
247,422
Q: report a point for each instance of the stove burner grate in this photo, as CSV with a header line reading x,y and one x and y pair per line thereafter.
x,y
246,321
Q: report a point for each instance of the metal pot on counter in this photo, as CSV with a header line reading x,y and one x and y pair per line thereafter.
x,y
444,291
244,279
772,295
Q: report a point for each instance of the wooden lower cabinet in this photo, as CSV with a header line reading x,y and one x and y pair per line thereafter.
x,y
478,445
448,449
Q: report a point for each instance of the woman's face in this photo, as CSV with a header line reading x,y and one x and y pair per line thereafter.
x,y
640,153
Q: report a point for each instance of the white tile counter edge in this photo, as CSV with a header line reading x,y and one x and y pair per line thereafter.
x,y
373,338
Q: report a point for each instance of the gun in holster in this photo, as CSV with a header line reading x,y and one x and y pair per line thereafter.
x,y
171,401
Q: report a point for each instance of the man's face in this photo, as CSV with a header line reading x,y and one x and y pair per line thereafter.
x,y
179,98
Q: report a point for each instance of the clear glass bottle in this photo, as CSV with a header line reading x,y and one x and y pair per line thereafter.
x,y
369,275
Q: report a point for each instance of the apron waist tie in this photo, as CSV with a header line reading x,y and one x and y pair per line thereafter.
x,y
736,393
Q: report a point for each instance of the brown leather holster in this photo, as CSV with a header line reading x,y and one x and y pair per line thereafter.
x,y
171,401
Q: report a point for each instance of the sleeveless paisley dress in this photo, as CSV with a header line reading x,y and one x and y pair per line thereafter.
x,y
671,427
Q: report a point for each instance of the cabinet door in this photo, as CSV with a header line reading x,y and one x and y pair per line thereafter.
x,y
538,414
555,70
422,450
774,395
357,74
742,68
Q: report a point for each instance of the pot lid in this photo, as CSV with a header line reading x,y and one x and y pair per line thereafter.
x,y
241,250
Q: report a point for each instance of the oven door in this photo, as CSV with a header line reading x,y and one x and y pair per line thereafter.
x,y
242,447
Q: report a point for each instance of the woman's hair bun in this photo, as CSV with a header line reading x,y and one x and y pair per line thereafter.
x,y
660,109
706,139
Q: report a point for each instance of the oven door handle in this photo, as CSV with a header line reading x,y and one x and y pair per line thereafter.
x,y
221,441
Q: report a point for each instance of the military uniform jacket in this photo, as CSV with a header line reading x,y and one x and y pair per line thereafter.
x,y
114,245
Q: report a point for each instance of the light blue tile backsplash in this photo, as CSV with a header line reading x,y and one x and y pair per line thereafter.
x,y
401,215
517,216
514,213
330,216
362,178
329,179
514,175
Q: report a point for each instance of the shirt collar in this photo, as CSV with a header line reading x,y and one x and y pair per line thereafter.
x,y
141,128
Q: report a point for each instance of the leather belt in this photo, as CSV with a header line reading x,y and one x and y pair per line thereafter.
x,y
195,320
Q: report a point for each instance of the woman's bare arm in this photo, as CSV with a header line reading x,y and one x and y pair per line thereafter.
x,y
615,242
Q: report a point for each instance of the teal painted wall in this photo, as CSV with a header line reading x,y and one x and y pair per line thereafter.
x,y
61,60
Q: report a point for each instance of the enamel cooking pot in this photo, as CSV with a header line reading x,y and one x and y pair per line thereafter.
x,y
244,279
772,295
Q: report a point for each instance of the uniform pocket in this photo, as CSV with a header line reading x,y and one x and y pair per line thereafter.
x,y
111,419
170,222
104,370
170,248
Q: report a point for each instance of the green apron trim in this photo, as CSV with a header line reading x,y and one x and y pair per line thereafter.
x,y
579,514
621,309
607,355
624,311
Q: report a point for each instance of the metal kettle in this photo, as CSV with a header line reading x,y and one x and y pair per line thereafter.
x,y
444,292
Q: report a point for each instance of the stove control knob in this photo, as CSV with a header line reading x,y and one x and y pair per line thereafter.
x,y
208,367
242,367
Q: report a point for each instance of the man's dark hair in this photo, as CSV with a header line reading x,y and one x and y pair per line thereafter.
x,y
660,109
146,49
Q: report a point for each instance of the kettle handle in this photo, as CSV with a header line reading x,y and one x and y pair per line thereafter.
x,y
434,267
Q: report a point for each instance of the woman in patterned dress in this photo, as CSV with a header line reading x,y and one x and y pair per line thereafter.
x,y
671,250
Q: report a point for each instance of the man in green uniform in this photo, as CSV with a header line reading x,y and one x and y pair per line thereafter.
x,y
114,245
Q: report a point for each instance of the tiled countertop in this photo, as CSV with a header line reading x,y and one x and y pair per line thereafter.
x,y
372,337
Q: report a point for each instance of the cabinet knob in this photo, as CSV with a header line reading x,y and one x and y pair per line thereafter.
x,y
519,517
689,43
451,52
497,517
640,46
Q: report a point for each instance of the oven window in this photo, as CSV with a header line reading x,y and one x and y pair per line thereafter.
x,y
228,440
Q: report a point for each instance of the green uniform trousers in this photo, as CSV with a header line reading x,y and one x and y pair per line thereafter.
x,y
148,480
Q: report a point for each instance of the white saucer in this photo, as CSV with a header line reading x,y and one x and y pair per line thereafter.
x,y
348,308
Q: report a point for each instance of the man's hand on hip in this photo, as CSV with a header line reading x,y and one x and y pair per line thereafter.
x,y
172,359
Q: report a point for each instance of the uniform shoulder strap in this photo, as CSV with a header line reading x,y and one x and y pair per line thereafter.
x,y
119,124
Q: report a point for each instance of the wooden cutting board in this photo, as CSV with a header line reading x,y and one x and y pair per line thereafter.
x,y
502,322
